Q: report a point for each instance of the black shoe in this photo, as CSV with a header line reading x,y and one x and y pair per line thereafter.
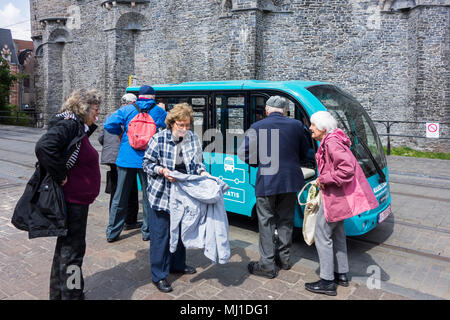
x,y
132,226
282,265
341,279
186,270
163,286
321,286
113,239
145,238
255,268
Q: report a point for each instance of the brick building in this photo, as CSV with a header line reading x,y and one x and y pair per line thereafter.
x,y
25,56
9,53
393,55
19,54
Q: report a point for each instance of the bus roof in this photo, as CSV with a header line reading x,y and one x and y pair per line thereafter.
x,y
231,85
296,88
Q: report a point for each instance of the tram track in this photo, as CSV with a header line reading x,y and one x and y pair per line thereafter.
x,y
419,185
398,178
20,140
400,248
18,163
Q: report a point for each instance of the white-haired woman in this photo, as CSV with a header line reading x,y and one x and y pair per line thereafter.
x,y
345,193
65,152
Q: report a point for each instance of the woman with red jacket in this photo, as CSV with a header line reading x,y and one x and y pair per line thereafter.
x,y
345,193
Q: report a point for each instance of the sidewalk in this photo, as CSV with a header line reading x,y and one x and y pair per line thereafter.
x,y
121,270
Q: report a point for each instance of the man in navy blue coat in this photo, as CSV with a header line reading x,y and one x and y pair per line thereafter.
x,y
276,145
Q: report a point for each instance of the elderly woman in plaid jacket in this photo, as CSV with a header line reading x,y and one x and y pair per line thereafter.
x,y
175,148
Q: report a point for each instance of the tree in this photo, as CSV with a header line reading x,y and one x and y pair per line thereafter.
x,y
6,81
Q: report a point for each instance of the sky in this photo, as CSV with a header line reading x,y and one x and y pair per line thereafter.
x,y
15,15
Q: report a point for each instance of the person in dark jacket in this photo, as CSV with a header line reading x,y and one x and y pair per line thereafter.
x,y
276,145
65,152
110,143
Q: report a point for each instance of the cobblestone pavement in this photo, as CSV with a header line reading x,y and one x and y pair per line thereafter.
x,y
410,251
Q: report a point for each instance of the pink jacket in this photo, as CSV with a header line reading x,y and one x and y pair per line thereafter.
x,y
346,192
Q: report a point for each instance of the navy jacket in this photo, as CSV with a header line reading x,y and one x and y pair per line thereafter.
x,y
292,149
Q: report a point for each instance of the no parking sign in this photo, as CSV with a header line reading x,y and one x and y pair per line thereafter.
x,y
432,130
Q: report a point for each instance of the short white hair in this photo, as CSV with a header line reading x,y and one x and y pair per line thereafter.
x,y
128,98
273,109
323,120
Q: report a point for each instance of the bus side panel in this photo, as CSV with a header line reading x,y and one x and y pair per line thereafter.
x,y
364,222
240,198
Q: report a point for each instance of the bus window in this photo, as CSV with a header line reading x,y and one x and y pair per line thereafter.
x,y
230,120
198,105
258,108
355,122
290,112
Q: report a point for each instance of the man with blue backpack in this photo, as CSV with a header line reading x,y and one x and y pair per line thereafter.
x,y
135,123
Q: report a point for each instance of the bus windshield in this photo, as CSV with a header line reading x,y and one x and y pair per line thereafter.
x,y
353,119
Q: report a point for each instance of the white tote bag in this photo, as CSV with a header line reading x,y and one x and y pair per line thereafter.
x,y
310,211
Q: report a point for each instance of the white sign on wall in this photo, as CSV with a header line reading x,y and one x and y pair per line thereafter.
x,y
432,129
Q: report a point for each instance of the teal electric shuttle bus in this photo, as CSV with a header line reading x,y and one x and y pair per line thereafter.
x,y
224,110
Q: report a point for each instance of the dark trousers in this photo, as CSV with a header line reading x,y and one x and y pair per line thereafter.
x,y
66,278
161,260
275,211
133,201
119,205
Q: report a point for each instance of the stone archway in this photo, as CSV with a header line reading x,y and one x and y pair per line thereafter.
x,y
128,30
56,44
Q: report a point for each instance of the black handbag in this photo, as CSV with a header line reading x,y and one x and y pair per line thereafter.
x,y
41,210
25,205
50,198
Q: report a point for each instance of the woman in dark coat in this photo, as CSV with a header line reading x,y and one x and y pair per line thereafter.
x,y
67,155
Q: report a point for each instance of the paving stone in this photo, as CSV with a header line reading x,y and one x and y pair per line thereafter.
x,y
277,286
263,294
203,291
121,270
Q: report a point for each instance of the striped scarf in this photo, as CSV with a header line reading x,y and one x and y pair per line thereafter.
x,y
73,157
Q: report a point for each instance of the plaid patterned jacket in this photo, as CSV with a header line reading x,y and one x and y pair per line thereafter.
x,y
160,153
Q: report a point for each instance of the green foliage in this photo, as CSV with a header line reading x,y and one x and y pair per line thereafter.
x,y
408,152
13,116
6,81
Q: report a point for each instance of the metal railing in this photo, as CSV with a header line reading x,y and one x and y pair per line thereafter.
x,y
24,118
389,123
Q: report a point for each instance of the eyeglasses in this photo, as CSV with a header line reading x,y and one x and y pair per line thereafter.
x,y
183,125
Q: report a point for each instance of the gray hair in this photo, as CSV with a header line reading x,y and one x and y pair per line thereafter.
x,y
147,96
323,120
128,98
80,102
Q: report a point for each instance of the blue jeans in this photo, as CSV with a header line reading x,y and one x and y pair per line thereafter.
x,y
161,260
119,205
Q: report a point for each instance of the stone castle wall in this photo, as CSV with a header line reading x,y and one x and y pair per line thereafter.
x,y
393,56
